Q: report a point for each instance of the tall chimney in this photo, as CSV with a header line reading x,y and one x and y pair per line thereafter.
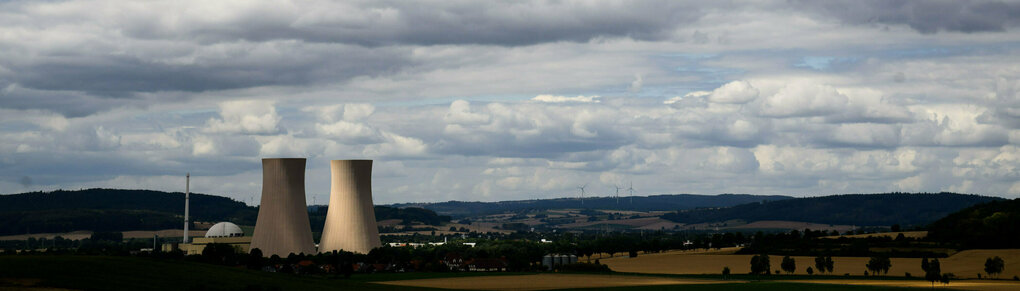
x,y
187,194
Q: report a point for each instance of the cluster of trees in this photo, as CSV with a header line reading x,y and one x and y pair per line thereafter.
x,y
933,271
879,264
994,266
99,243
824,264
760,265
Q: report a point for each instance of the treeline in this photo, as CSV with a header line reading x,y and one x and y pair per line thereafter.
x,y
850,209
991,225
636,203
410,215
813,243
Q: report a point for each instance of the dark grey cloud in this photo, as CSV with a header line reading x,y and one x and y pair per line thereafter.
x,y
100,74
91,81
66,103
930,16
380,23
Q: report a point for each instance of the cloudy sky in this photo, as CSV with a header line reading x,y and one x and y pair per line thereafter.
x,y
479,100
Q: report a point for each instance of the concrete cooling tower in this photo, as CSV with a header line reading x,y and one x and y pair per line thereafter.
x,y
282,227
350,219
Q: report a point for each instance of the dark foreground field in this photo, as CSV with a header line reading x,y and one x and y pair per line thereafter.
x,y
130,273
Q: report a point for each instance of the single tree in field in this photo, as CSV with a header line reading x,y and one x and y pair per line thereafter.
x,y
725,272
788,264
932,270
994,266
820,264
829,264
879,263
810,271
760,264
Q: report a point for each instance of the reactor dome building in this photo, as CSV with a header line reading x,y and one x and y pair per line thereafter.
x,y
350,218
224,229
282,227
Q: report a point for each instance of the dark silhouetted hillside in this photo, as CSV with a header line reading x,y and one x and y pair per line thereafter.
x,y
121,210
640,203
113,210
851,209
994,224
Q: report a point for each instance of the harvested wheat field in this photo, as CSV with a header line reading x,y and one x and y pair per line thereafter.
x,y
546,282
969,263
966,264
989,285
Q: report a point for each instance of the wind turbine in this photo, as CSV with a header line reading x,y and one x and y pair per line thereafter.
x,y
631,190
617,193
582,192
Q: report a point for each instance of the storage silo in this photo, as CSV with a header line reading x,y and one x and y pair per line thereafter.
x,y
350,219
547,261
282,227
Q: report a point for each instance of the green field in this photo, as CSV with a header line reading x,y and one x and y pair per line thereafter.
x,y
133,273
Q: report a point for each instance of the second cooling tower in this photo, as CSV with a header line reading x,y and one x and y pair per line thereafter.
x,y
282,227
350,219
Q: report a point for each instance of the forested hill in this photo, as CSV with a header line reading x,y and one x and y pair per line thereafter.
x,y
851,209
204,207
639,203
113,210
991,225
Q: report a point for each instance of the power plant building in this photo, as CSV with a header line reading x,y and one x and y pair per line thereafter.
x,y
220,233
350,219
282,227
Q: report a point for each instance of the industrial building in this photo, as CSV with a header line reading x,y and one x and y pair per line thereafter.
x,y
282,227
350,218
220,233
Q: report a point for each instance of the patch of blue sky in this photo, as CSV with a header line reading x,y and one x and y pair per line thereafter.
x,y
826,63
690,57
447,100
710,76
18,126
949,51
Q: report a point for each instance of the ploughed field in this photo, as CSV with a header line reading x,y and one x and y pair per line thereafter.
x,y
965,264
